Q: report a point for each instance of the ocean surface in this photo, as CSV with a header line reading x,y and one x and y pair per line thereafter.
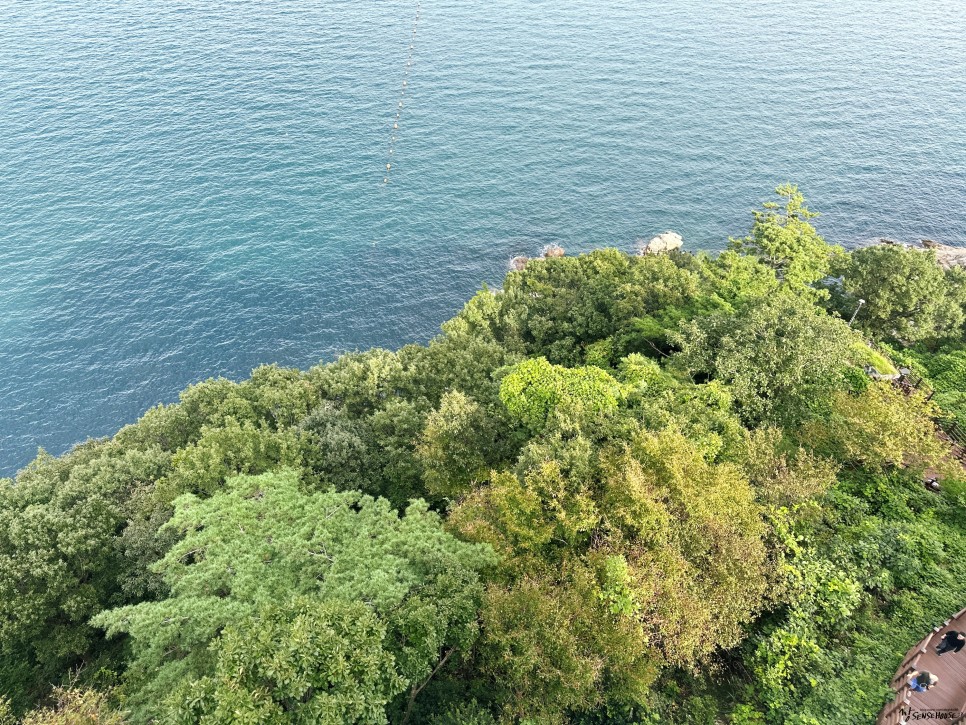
x,y
190,188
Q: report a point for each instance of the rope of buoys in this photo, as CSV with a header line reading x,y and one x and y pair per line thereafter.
x,y
402,95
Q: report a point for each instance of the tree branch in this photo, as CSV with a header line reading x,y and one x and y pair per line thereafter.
x,y
416,690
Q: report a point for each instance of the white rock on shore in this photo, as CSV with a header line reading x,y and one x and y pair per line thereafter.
x,y
661,243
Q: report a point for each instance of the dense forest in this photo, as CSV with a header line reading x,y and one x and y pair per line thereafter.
x,y
646,488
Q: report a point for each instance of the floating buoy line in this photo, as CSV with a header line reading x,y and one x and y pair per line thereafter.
x,y
394,133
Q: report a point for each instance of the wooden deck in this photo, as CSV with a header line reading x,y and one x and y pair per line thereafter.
x,y
946,702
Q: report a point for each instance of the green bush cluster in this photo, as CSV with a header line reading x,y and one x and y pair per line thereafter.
x,y
622,489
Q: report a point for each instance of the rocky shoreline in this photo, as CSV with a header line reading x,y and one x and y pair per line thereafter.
x,y
946,256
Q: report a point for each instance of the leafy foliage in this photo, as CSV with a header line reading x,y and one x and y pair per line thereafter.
x,y
457,445
59,559
535,390
908,296
262,537
880,426
781,357
305,661
945,369
621,489
783,238
74,707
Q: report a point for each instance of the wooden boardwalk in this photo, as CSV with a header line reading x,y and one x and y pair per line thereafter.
x,y
946,702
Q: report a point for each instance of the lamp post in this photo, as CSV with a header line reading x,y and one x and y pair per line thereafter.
x,y
852,319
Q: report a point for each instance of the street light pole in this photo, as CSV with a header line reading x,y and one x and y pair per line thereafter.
x,y
852,319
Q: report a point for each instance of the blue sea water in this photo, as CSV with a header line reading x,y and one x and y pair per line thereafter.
x,y
189,188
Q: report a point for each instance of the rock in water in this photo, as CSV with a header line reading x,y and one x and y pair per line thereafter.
x,y
553,251
661,243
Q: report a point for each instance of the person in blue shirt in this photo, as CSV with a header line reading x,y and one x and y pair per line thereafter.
x,y
922,681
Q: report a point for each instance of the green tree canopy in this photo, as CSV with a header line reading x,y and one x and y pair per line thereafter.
x,y
72,706
880,426
908,296
458,445
638,555
783,239
262,541
60,562
535,390
781,357
303,661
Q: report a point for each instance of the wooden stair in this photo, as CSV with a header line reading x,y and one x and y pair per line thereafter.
x,y
944,703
